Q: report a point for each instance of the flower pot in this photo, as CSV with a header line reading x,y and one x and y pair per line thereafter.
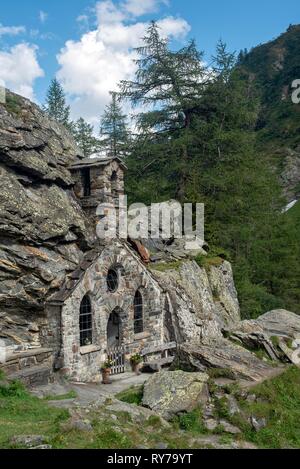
x,y
136,368
105,376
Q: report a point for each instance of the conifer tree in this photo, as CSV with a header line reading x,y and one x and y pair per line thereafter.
x,y
168,85
56,105
113,129
84,137
239,189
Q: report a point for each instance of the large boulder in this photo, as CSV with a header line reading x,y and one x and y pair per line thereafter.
x,y
43,231
168,393
201,301
281,323
223,355
277,332
251,334
224,293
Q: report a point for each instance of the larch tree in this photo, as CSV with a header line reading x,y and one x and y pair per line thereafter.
x,y
167,85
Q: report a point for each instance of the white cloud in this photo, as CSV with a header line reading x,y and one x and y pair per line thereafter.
x,y
19,68
174,28
84,22
109,13
138,8
94,65
11,30
43,16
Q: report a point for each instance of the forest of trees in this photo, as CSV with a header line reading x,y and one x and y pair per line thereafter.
x,y
194,140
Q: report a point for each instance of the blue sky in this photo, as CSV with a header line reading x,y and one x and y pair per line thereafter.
x,y
88,44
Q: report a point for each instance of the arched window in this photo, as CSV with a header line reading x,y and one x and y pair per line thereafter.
x,y
138,313
85,322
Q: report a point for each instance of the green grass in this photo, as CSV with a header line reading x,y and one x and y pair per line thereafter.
x,y
275,340
278,401
191,422
214,258
23,414
133,395
70,395
221,373
13,104
165,266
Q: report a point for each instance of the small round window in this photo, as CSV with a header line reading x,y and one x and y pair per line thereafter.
x,y
112,280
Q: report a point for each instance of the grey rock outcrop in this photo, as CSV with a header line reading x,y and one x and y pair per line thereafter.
x,y
223,355
252,335
171,392
280,322
202,301
27,441
43,231
272,331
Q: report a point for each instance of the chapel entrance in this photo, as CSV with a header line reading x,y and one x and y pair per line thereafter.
x,y
114,330
115,350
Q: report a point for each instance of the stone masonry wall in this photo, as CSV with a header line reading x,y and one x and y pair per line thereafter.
x,y
107,183
83,363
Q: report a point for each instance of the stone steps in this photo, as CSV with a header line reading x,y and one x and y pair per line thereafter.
x,y
37,375
32,367
19,360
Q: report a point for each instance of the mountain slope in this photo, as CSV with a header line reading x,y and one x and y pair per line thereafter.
x,y
273,67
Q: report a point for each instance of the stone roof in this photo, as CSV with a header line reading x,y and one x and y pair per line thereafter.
x,y
75,277
96,161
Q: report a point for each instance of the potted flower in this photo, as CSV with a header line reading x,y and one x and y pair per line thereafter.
x,y
135,362
106,370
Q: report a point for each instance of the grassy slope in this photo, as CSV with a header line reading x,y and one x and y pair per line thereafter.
x,y
24,414
278,400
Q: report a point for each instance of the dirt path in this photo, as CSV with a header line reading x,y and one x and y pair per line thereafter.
x,y
88,393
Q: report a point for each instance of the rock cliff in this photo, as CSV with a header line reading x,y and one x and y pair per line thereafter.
x,y
43,231
203,301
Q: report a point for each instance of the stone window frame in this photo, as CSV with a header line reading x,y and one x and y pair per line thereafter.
x,y
91,321
120,271
112,280
136,321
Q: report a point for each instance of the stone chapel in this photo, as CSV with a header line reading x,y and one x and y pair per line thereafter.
x,y
111,300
